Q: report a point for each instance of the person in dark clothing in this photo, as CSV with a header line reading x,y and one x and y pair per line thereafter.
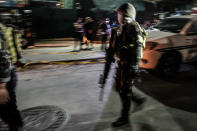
x,y
8,108
126,46
78,25
104,32
88,31
114,24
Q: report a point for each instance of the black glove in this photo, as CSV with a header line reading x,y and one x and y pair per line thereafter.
x,y
134,72
19,64
101,79
124,53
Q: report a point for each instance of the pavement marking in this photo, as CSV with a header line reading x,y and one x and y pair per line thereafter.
x,y
54,53
27,64
44,62
60,63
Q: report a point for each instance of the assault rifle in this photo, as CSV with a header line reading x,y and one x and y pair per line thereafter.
x,y
109,59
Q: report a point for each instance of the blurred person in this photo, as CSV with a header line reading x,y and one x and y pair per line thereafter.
x,y
78,25
126,46
154,22
114,24
8,107
88,31
105,29
107,21
147,24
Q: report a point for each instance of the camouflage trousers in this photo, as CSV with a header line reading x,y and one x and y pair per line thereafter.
x,y
124,84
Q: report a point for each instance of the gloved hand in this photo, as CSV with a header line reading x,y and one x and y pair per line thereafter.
x,y
19,64
123,53
101,79
134,73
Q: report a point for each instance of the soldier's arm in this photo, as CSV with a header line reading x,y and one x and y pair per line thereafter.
x,y
4,78
4,73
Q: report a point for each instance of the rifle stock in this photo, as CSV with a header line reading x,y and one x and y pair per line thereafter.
x,y
101,93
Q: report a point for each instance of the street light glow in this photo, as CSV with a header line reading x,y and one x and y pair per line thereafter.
x,y
2,1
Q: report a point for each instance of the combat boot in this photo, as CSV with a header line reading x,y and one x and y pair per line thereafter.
x,y
120,121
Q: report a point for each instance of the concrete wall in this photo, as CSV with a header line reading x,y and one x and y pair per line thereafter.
x,y
53,23
57,23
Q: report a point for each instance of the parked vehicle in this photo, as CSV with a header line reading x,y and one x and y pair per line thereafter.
x,y
172,42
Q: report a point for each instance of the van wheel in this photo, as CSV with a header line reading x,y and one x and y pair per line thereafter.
x,y
169,65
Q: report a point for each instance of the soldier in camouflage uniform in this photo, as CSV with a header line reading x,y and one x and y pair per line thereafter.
x,y
8,80
127,51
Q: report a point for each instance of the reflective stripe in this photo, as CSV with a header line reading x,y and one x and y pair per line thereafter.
x,y
131,45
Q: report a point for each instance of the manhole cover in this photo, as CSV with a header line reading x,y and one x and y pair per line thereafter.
x,y
44,118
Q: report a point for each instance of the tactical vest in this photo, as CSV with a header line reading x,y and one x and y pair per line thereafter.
x,y
131,42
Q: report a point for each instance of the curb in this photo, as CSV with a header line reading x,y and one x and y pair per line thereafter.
x,y
37,46
77,61
58,39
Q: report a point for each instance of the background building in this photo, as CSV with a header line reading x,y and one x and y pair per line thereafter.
x,y
54,18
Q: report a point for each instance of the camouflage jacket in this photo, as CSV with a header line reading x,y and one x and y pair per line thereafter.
x,y
5,63
11,39
12,42
129,43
